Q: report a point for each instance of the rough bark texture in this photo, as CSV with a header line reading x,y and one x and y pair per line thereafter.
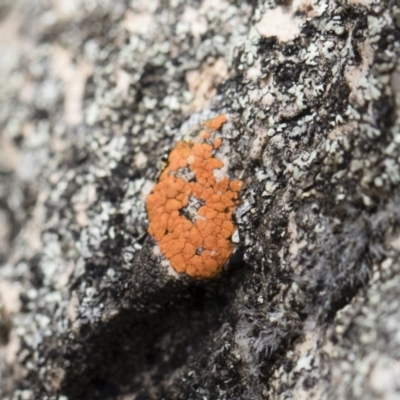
x,y
93,94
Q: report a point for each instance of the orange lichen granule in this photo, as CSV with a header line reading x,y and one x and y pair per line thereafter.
x,y
190,210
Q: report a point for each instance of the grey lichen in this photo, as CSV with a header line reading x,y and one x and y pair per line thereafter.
x,y
93,93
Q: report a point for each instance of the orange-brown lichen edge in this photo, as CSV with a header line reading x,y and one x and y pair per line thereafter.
x,y
190,211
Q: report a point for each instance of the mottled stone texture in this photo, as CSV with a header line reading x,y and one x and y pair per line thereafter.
x,y
92,96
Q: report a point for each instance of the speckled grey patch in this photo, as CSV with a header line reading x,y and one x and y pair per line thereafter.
x,y
92,93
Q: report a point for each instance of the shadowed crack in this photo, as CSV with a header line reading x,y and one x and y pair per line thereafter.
x,y
190,211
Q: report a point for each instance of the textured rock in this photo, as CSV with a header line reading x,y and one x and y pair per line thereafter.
x,y
92,96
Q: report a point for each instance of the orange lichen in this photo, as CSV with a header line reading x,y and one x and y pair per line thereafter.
x,y
190,210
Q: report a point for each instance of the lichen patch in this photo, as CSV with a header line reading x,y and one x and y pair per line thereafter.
x,y
357,75
74,77
279,22
202,83
191,214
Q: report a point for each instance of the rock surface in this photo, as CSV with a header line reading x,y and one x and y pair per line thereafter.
x,y
92,96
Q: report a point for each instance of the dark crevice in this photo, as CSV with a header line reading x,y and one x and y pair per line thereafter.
x,y
116,354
